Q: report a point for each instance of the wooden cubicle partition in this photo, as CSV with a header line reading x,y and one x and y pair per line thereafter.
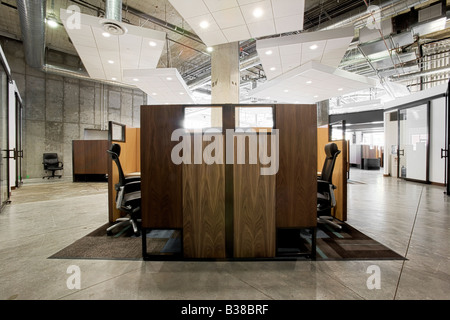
x,y
339,173
297,175
130,161
89,159
229,210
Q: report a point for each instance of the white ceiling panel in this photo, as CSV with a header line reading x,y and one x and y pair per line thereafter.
x,y
311,83
237,20
106,55
326,47
162,85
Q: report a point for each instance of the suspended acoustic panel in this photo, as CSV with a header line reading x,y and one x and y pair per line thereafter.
x,y
222,21
311,83
162,85
107,47
279,55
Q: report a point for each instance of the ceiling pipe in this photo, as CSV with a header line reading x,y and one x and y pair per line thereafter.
x,y
415,75
113,10
32,17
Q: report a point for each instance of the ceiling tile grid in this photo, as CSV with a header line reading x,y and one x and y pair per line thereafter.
x,y
222,21
279,55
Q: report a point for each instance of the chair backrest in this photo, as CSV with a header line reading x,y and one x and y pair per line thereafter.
x,y
114,152
50,159
331,151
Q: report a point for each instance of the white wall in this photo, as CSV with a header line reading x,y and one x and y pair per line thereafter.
x,y
390,139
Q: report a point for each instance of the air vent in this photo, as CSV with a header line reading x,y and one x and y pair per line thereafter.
x,y
113,28
430,13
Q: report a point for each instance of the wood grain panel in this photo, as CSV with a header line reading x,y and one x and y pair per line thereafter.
x,y
78,151
254,208
203,209
296,182
161,184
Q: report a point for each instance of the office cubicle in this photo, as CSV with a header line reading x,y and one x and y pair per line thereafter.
x,y
228,209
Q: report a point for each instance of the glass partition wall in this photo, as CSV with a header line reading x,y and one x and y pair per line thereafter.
x,y
4,128
413,150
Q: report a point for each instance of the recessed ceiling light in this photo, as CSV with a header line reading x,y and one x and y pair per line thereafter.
x,y
52,22
204,24
269,52
110,61
314,47
340,89
286,91
113,79
169,79
258,13
154,94
152,44
316,96
308,82
136,79
210,49
273,69
181,93
106,34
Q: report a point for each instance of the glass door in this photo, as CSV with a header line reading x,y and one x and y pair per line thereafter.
x,y
4,161
19,148
413,150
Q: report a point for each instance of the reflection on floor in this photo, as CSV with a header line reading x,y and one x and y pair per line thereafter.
x,y
44,217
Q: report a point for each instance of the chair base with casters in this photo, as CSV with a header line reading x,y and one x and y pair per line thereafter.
x,y
53,175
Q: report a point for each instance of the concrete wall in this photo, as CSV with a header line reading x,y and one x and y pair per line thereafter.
x,y
57,109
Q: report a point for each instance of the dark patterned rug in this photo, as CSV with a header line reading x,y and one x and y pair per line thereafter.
x,y
122,245
332,244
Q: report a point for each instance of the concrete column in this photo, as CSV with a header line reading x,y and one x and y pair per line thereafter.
x,y
323,111
225,77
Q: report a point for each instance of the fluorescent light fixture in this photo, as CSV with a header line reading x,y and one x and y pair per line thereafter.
x,y
99,41
113,79
136,80
290,86
292,51
308,82
224,21
269,52
313,47
159,89
210,49
152,44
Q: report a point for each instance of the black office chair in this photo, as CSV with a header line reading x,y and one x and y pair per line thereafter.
x,y
51,163
128,198
326,200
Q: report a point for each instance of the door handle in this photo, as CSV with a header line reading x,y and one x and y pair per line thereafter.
x,y
442,153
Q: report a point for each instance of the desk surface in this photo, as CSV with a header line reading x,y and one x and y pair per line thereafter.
x,y
133,174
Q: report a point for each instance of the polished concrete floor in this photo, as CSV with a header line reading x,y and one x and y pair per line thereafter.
x,y
46,216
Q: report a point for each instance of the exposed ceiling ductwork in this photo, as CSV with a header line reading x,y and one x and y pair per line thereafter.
x,y
32,17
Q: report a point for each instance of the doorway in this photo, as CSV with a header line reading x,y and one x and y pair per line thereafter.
x,y
414,143
4,132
